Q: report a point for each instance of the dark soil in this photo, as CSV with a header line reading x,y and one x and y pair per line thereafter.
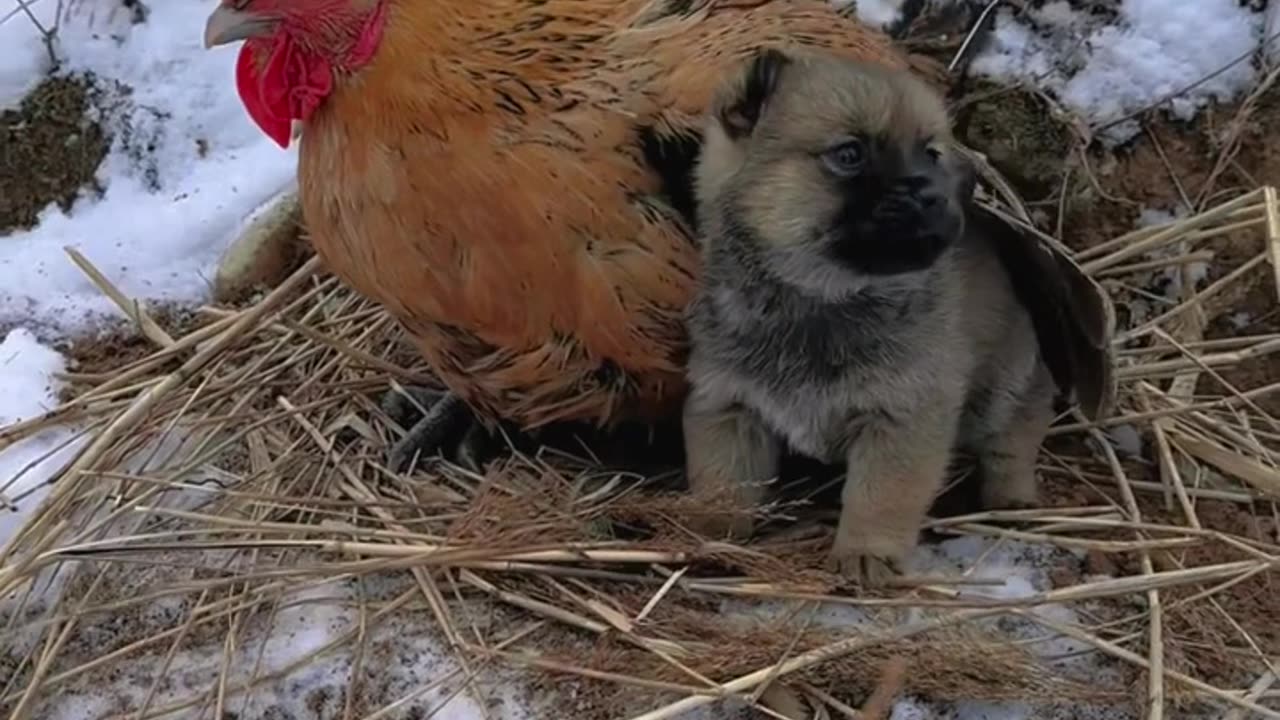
x,y
120,344
51,150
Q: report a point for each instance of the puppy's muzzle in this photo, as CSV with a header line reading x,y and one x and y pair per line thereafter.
x,y
915,206
904,228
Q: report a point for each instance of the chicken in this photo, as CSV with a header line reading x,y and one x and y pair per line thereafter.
x,y
509,178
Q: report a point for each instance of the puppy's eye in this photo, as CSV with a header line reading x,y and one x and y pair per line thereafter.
x,y
845,159
934,152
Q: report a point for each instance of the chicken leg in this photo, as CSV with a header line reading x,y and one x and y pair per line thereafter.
x,y
438,422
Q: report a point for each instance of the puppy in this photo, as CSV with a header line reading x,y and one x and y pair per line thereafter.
x,y
849,307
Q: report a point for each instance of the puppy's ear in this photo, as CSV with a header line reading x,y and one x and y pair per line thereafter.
x,y
740,109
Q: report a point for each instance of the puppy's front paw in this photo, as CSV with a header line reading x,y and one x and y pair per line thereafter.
x,y
857,562
1010,495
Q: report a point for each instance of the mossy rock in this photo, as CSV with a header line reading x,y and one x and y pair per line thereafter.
x,y
50,149
1020,137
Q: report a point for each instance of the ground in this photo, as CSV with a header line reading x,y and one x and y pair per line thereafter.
x,y
52,130
192,178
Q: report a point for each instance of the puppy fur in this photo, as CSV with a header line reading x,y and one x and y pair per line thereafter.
x,y
848,310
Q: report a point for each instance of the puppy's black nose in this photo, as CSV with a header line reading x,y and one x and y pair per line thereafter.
x,y
921,189
910,184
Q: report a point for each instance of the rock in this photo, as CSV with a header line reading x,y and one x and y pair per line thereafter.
x,y
268,248
1020,136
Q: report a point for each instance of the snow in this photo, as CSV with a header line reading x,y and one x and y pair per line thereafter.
x,y
399,657
876,12
1125,439
1162,288
26,57
1023,570
28,388
1103,72
1105,69
910,710
185,169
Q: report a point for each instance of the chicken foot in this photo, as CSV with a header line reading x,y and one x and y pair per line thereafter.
x,y
447,427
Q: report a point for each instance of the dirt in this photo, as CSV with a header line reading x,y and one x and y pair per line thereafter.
x,y
52,149
1215,644
98,354
1258,163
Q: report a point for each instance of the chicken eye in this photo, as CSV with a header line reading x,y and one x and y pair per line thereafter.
x,y
845,159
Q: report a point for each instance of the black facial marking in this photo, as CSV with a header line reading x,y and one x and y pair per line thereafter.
x,y
739,116
900,213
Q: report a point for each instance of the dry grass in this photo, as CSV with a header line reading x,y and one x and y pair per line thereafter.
x,y
240,464
231,481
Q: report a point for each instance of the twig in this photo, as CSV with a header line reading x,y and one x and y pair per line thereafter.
x,y
132,309
1155,640
1171,232
978,27
1259,687
1131,657
1273,232
814,657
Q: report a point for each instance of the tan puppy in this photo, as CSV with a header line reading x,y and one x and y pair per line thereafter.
x,y
856,307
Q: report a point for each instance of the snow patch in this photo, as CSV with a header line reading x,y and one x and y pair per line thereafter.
x,y
1023,571
27,383
880,13
1153,217
1104,71
910,710
186,167
25,59
1125,439
286,646
28,389
1162,287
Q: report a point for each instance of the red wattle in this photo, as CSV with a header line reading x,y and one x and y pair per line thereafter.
x,y
290,86
249,82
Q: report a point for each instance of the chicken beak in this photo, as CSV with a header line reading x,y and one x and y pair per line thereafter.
x,y
226,25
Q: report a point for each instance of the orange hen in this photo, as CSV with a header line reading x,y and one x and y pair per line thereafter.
x,y
506,176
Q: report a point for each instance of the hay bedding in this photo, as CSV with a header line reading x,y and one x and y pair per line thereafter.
x,y
232,500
